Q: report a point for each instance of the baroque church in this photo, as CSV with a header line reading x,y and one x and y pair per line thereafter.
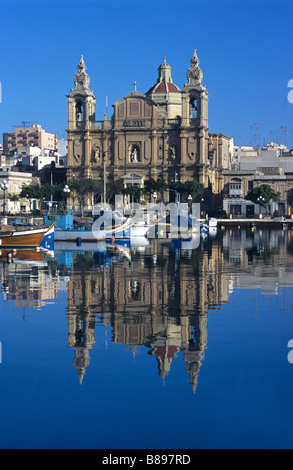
x,y
160,134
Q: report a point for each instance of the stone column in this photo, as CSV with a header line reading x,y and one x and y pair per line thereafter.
x,y
87,149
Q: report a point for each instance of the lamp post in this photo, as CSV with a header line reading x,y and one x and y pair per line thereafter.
x,y
177,196
261,201
104,177
155,197
4,187
66,191
189,202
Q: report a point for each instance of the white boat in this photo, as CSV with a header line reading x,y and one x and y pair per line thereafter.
x,y
139,228
122,228
212,222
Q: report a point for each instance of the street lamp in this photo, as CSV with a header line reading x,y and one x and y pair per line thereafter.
x,y
66,191
261,201
189,202
4,187
155,197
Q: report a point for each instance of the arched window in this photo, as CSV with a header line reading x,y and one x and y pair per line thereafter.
x,y
193,108
79,111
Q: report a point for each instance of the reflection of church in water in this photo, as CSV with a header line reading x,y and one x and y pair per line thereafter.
x,y
158,301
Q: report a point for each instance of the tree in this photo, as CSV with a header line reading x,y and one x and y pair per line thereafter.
x,y
41,192
134,191
152,185
190,187
111,190
13,197
290,199
262,195
84,189
35,191
31,191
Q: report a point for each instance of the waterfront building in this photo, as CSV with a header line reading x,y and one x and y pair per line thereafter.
x,y
15,181
252,167
162,133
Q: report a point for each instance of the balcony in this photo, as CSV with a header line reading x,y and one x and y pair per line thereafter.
x,y
235,189
174,122
97,124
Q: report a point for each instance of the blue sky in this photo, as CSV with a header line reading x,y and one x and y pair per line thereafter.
x,y
244,48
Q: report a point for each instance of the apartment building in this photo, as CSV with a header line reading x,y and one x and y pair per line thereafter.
x,y
29,135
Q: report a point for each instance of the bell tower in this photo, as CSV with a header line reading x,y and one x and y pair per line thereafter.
x,y
81,118
81,100
195,106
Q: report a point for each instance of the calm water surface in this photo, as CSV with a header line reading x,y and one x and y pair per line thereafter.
x,y
161,346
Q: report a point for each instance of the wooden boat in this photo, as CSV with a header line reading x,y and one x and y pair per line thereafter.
x,y
28,256
24,238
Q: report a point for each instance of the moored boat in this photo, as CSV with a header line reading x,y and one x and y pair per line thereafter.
x,y
212,222
105,227
24,238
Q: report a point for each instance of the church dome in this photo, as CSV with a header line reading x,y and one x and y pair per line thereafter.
x,y
165,88
164,82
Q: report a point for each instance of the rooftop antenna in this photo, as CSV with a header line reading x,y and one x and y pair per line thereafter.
x,y
284,127
106,105
256,134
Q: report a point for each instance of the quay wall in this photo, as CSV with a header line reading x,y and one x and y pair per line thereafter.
x,y
257,223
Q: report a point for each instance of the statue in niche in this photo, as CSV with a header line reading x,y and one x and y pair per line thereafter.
x,y
97,154
135,287
134,155
173,152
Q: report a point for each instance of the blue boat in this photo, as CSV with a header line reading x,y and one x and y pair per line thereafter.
x,y
103,227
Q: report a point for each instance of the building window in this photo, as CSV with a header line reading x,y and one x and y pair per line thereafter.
x,y
193,106
235,188
79,112
235,209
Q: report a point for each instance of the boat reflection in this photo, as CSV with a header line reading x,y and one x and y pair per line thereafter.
x,y
25,276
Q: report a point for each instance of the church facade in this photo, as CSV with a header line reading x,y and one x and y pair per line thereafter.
x,y
160,134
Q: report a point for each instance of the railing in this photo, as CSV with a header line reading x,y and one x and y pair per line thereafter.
x,y
174,122
97,124
92,125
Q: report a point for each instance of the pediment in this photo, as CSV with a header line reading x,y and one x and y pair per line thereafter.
x,y
133,176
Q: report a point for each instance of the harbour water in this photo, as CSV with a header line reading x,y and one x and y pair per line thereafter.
x,y
160,346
